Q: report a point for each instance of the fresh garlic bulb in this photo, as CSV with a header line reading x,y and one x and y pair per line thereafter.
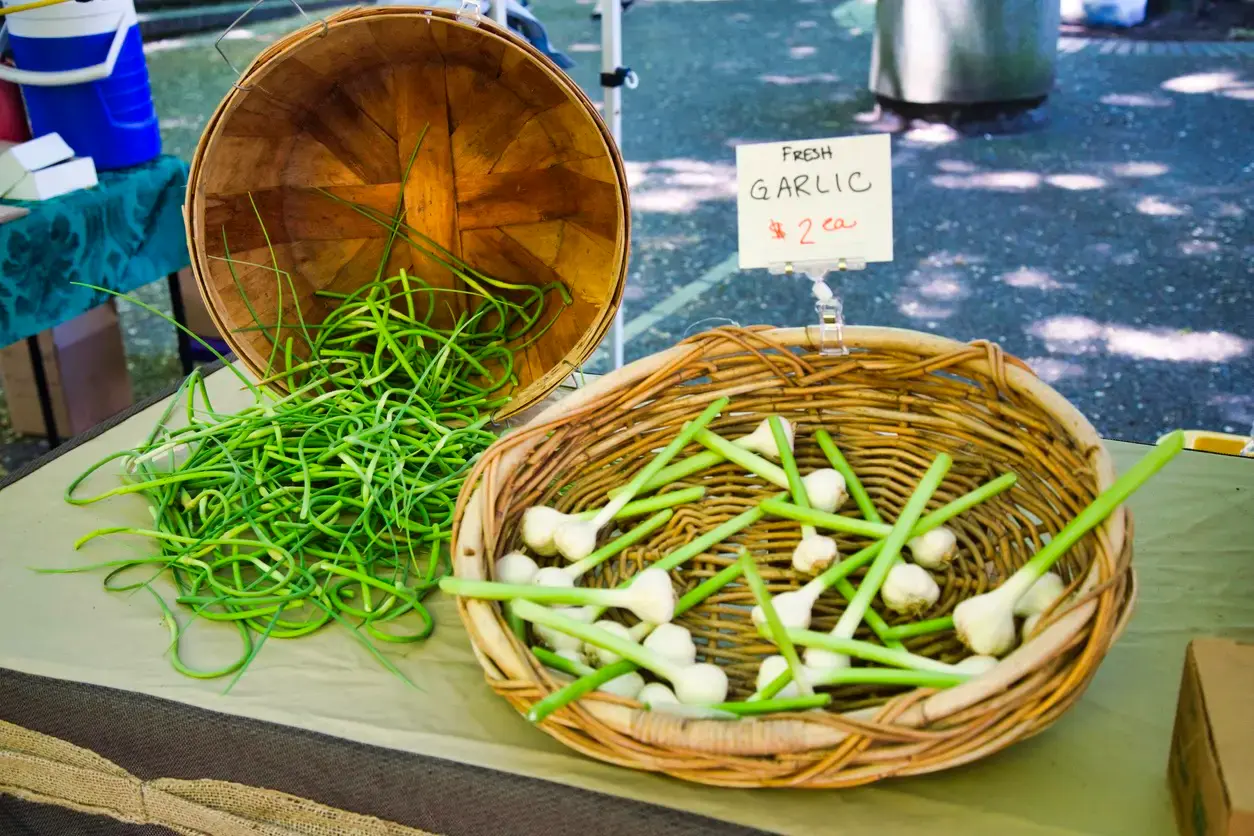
x,y
814,553
977,665
825,488
762,440
602,656
575,539
1041,595
986,622
909,589
1029,625
769,671
822,661
516,567
700,684
672,642
795,608
539,525
628,685
655,693
552,576
558,641
933,549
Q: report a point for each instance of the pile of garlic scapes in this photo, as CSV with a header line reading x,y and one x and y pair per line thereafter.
x,y
567,618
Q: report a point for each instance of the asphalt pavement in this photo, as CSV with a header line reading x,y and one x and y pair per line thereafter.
x,y
1106,239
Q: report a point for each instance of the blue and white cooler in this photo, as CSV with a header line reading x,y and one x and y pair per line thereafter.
x,y
83,75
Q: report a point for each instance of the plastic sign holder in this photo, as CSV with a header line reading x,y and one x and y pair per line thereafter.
x,y
827,304
815,207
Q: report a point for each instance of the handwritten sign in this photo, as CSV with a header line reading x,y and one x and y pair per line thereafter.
x,y
817,200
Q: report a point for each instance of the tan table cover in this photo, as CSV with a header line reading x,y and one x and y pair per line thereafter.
x,y
1100,770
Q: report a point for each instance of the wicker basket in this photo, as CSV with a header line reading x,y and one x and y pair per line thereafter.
x,y
895,401
516,174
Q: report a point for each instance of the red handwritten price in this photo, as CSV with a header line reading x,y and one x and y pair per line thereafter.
x,y
806,225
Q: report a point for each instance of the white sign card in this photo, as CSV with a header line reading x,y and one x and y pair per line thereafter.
x,y
815,200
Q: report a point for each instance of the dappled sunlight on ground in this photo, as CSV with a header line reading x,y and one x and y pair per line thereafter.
x,y
1197,247
1135,100
1210,82
1157,206
1139,169
1052,369
793,80
1029,278
1081,335
935,289
935,134
997,181
1237,408
1075,182
679,185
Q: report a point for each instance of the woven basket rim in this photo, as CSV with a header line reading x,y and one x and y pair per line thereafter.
x,y
194,200
502,657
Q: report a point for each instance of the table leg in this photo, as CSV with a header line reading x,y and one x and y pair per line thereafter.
x,y
43,390
180,316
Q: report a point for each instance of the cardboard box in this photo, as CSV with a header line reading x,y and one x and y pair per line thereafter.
x,y
85,362
19,159
1211,768
55,180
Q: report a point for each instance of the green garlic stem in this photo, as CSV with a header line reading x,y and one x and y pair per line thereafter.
x,y
711,538
674,472
580,687
1105,504
868,651
624,541
873,619
919,628
677,444
748,709
823,519
774,628
650,505
890,676
560,663
747,459
598,637
852,483
496,591
933,520
707,588
874,579
585,685
789,464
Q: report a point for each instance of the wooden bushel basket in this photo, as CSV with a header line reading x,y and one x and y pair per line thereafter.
x,y
898,399
516,174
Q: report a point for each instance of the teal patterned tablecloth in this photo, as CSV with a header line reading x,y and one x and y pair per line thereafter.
x,y
124,233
